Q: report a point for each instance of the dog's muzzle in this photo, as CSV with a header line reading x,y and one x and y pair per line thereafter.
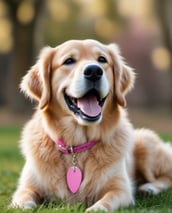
x,y
89,106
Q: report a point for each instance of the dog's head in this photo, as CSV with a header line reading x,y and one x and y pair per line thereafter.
x,y
80,77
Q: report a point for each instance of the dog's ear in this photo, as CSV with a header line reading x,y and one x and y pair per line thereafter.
x,y
123,75
36,84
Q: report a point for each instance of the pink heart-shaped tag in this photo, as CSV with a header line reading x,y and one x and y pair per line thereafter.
x,y
74,178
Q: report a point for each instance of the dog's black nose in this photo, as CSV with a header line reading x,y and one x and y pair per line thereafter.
x,y
93,72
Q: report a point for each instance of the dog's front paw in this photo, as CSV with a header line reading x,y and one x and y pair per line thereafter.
x,y
26,205
97,207
149,189
29,205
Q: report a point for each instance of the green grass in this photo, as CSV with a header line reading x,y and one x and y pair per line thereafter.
x,y
11,163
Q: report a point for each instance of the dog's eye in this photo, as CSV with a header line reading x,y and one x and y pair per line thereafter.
x,y
102,59
69,61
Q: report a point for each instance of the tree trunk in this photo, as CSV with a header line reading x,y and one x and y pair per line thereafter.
x,y
22,54
165,16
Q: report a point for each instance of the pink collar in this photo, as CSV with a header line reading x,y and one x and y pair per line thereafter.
x,y
74,149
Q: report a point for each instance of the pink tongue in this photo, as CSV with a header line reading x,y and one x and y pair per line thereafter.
x,y
89,105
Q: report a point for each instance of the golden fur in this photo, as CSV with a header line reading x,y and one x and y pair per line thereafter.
x,y
122,155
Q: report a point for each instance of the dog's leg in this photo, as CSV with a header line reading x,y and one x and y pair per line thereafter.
x,y
27,194
112,200
153,161
119,195
156,186
25,198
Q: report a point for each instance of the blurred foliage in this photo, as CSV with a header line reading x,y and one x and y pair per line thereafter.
x,y
82,19
142,28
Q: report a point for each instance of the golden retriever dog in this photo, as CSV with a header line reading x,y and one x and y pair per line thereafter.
x,y
79,145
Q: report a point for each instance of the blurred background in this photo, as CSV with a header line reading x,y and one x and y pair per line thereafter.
x,y
142,28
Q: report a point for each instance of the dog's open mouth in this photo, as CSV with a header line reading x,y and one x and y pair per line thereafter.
x,y
88,107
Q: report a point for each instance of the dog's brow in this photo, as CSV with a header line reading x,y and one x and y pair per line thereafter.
x,y
99,50
68,52
63,54
71,53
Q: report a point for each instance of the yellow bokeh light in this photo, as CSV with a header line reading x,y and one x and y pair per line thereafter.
x,y
139,8
105,28
6,41
25,13
95,8
3,9
161,58
59,11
